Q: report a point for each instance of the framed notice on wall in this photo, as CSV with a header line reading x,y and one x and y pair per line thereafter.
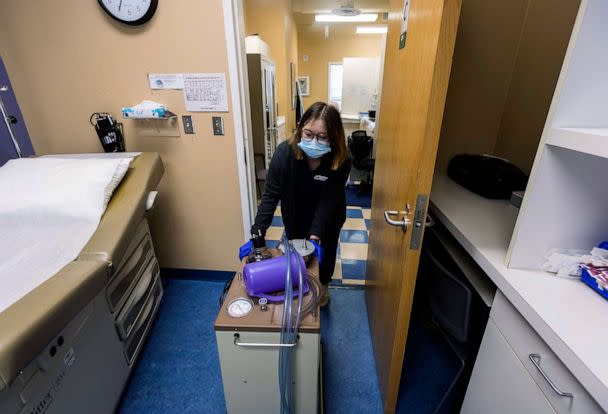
x,y
404,16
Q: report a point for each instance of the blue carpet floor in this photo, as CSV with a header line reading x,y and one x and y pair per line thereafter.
x,y
179,370
349,374
429,367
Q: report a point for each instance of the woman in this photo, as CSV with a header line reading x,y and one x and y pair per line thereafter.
x,y
307,174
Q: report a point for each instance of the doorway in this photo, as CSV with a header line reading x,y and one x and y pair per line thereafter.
x,y
409,119
336,62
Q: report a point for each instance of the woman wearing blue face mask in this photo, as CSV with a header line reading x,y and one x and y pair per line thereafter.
x,y
307,175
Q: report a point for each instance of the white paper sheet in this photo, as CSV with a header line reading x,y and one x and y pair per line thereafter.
x,y
53,209
205,92
166,81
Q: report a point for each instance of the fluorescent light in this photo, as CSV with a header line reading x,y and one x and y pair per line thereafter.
x,y
332,18
371,29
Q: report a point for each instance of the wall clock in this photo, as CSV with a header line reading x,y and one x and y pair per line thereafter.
x,y
131,12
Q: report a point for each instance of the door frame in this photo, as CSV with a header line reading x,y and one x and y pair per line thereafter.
x,y
241,109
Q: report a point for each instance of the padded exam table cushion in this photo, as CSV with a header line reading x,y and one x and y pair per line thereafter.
x,y
28,325
31,323
125,211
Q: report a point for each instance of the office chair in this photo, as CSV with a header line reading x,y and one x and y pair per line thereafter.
x,y
360,146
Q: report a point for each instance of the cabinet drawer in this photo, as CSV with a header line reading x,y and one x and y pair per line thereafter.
x,y
122,284
538,358
499,383
135,303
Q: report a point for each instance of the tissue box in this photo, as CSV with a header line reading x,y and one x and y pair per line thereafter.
x,y
146,109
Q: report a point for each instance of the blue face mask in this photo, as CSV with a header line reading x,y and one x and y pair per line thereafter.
x,y
314,149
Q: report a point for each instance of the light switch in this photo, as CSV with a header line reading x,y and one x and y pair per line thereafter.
x,y
218,125
188,126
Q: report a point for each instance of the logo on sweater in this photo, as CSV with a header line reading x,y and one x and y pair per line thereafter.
x,y
320,178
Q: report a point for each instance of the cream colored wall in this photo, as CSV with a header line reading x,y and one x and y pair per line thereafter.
x,y
273,21
484,56
541,52
506,62
67,59
321,51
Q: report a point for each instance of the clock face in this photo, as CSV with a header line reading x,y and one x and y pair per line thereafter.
x,y
132,12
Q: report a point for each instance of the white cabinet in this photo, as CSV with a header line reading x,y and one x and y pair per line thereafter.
x,y
516,372
500,383
566,198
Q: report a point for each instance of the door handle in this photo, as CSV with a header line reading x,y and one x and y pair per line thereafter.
x,y
535,358
399,223
429,221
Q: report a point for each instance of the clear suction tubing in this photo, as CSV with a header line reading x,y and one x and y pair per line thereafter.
x,y
289,332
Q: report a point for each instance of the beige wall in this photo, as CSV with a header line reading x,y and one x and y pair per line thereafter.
x,y
484,56
273,20
544,40
506,62
67,59
321,51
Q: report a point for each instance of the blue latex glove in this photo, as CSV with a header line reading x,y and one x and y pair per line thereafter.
x,y
245,250
318,251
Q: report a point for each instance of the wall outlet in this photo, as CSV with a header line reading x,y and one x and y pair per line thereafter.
x,y
218,125
188,125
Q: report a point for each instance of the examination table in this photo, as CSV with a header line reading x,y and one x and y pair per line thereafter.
x,y
69,345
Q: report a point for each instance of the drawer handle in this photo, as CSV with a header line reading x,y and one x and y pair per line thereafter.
x,y
535,358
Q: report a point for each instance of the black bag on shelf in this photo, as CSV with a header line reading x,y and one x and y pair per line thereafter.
x,y
488,176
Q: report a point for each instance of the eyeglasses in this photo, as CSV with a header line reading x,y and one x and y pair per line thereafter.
x,y
308,135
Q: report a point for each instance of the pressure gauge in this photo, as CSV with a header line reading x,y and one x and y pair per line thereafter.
x,y
239,307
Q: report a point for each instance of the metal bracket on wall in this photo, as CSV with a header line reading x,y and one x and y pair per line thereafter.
x,y
9,121
419,221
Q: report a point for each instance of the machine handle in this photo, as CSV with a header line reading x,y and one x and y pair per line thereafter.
x,y
400,223
261,345
535,358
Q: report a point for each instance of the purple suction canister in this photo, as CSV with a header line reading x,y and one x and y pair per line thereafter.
x,y
268,276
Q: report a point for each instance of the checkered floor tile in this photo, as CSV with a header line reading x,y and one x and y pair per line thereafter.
x,y
352,249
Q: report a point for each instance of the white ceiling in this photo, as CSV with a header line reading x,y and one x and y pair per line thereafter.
x,y
325,6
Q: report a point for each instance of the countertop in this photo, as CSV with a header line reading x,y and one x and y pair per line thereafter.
x,y
568,315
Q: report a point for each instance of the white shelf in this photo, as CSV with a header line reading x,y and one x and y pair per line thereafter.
x,y
567,314
593,141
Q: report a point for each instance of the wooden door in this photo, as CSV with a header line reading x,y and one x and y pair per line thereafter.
x,y
414,89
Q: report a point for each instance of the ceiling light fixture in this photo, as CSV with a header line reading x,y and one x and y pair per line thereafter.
x,y
332,18
371,29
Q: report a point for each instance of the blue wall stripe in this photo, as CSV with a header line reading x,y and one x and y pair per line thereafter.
x,y
196,274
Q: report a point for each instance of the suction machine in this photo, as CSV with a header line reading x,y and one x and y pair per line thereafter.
x,y
268,332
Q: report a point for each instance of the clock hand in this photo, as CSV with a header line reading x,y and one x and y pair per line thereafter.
x,y
120,5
